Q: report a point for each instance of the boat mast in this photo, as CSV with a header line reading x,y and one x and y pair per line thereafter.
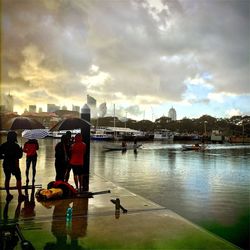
x,y
114,123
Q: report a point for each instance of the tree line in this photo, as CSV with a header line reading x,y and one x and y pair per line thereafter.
x,y
236,125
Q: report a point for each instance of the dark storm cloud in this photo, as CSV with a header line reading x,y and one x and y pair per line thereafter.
x,y
145,50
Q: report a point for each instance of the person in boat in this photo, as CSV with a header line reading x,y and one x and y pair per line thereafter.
x,y
30,148
124,144
135,145
61,158
11,152
56,190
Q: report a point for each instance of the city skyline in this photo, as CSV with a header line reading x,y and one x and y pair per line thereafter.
x,y
99,110
143,56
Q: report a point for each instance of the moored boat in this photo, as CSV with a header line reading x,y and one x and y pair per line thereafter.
x,y
238,139
100,135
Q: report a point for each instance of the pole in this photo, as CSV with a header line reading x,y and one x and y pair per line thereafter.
x,y
85,114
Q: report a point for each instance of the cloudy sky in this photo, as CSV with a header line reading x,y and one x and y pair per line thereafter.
x,y
144,56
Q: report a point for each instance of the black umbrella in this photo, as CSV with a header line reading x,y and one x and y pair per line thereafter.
x,y
70,124
22,122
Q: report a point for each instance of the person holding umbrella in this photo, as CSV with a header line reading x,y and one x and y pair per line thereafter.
x,y
11,152
30,148
61,158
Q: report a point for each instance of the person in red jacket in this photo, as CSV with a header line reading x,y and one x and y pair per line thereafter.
x,y
30,148
76,161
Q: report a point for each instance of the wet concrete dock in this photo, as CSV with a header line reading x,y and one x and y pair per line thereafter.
x,y
96,224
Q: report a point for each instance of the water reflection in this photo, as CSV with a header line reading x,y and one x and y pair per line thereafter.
x,y
211,186
11,235
67,230
28,209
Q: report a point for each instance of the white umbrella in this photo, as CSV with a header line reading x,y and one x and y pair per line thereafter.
x,y
35,133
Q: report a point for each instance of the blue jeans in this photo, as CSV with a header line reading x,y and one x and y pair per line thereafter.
x,y
31,160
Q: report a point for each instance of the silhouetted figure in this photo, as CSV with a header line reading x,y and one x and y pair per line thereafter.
x,y
11,152
69,142
61,158
30,148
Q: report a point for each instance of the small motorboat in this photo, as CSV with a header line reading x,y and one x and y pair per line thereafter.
x,y
195,147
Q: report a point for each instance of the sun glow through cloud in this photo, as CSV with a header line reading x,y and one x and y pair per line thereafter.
x,y
141,54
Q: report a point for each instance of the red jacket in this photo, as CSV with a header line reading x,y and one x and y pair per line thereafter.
x,y
30,147
78,150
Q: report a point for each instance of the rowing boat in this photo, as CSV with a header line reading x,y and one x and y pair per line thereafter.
x,y
194,147
120,147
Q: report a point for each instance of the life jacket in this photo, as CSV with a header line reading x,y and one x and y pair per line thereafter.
x,y
68,190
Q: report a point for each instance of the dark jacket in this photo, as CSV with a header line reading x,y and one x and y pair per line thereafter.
x,y
61,153
10,152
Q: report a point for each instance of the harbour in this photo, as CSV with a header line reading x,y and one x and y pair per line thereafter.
x,y
210,188
132,121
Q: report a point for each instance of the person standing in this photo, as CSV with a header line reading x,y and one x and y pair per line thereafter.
x,y
61,158
69,142
11,152
78,150
30,148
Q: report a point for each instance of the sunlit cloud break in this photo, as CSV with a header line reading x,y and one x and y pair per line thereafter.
x,y
131,53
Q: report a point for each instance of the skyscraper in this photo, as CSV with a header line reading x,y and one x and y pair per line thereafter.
x,y
102,109
91,101
32,108
76,108
52,108
9,103
172,114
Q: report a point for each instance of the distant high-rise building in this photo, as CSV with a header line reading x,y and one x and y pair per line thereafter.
x,y
32,108
91,101
2,108
102,109
9,103
172,114
76,108
52,108
64,107
40,110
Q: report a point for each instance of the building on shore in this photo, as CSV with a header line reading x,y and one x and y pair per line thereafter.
x,y
91,102
172,114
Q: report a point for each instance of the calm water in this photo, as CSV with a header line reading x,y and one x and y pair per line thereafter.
x,y
211,188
